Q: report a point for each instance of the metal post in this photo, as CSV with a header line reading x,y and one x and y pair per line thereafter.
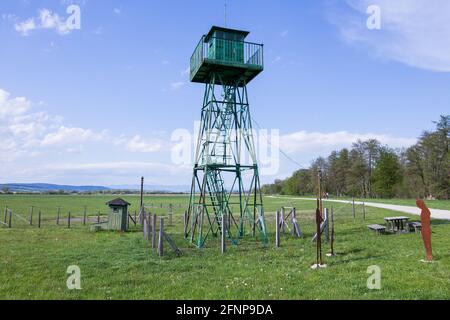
x,y
10,219
332,231
85,214
277,221
327,226
68,220
142,193
185,224
154,232
224,232
161,237
135,218
282,219
39,221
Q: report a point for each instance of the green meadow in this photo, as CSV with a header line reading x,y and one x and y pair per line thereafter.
x,y
33,262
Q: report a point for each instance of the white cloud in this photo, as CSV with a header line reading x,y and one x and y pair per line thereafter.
x,y
174,86
117,11
67,136
12,107
276,60
319,142
186,71
25,27
415,33
46,19
137,144
284,33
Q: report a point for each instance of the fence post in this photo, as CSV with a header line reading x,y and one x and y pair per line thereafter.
x,y
282,219
154,232
10,219
39,221
68,220
161,238
31,215
364,211
332,231
145,228
185,224
277,238
224,232
85,214
6,214
354,209
98,217
135,218
58,212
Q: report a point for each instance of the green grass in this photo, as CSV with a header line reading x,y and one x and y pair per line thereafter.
x,y
33,262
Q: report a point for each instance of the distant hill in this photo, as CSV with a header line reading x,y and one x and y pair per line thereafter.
x,y
45,187
154,188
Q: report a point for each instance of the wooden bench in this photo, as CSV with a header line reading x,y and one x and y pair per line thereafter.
x,y
416,226
379,229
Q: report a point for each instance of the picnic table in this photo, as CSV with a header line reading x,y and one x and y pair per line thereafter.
x,y
397,224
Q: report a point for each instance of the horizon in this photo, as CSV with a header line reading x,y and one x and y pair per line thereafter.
x,y
110,118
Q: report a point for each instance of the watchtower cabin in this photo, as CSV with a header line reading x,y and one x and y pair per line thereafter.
x,y
224,52
118,216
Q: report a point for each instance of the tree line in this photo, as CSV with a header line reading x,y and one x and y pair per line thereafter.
x,y
371,170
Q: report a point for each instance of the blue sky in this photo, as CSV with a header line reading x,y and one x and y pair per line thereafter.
x,y
98,105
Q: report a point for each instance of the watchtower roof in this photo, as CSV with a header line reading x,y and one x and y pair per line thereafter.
x,y
119,202
211,32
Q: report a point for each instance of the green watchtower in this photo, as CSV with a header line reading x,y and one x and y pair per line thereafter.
x,y
225,184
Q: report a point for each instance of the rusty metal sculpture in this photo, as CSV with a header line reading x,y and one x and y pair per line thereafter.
x,y
426,228
319,221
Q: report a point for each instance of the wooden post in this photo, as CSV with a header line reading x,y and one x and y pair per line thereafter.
x,y
6,214
145,229
364,211
68,220
39,221
10,219
154,232
31,215
85,214
277,238
98,217
170,219
354,209
58,212
223,226
161,238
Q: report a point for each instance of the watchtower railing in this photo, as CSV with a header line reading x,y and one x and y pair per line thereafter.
x,y
227,51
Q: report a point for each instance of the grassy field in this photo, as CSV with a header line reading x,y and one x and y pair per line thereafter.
x,y
33,262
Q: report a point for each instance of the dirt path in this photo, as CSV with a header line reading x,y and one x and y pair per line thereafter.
x,y
435,213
